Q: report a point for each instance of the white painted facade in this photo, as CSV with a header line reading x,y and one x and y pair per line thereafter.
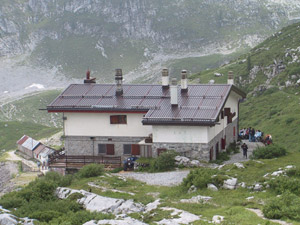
x,y
98,124
180,134
232,103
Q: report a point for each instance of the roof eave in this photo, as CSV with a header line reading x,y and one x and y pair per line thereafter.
x,y
179,123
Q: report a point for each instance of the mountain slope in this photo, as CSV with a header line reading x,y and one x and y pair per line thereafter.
x,y
270,74
72,35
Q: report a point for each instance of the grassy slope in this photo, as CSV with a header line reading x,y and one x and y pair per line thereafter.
x,y
272,111
10,132
27,109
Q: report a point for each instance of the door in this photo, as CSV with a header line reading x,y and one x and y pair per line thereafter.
x,y
211,154
110,149
135,150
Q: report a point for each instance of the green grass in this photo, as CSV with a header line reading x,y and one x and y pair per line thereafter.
x,y
27,109
12,131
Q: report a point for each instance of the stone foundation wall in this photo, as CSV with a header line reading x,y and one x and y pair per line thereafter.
x,y
80,145
200,151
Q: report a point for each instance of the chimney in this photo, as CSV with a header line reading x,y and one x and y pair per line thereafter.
x,y
173,92
230,78
165,78
184,84
88,79
119,79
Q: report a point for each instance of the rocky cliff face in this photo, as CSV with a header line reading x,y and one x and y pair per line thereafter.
x,y
72,35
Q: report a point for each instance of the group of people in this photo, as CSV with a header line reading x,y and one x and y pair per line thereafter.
x,y
251,134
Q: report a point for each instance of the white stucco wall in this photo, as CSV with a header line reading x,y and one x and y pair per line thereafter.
x,y
232,103
180,134
98,124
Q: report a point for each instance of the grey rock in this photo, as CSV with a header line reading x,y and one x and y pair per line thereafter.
x,y
217,219
195,163
239,165
192,189
196,199
230,183
258,187
212,187
7,219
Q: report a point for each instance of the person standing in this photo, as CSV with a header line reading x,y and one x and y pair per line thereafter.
x,y
245,150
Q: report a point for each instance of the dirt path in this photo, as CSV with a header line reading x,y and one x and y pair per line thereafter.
x,y
239,156
13,157
260,214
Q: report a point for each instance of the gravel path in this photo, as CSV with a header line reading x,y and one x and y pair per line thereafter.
x,y
239,156
163,179
175,177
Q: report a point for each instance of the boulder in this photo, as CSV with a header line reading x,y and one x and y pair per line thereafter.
x,y
195,163
211,82
288,83
181,160
152,205
192,189
239,165
196,199
289,167
212,187
242,185
258,187
250,198
97,203
230,183
277,173
7,219
217,219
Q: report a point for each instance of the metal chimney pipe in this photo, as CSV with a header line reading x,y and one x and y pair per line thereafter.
x,y
119,81
173,92
230,78
165,78
184,84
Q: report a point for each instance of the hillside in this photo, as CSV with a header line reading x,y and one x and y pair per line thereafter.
x,y
71,35
269,73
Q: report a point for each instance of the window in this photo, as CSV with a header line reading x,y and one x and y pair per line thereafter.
x,y
161,150
127,149
131,149
118,119
101,149
108,149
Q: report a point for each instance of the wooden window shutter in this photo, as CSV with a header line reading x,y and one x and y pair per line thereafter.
x,y
223,143
114,119
234,131
160,150
226,111
135,150
110,149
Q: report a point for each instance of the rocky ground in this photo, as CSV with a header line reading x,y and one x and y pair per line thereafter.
x,y
8,170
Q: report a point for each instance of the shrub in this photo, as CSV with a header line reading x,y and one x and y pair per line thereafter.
x,y
293,172
164,162
199,178
116,170
221,157
268,152
282,184
286,206
232,148
91,170
75,196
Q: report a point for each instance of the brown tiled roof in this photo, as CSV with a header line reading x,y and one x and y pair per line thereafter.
x,y
200,105
22,140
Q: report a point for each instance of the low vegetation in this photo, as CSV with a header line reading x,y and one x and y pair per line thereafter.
x,y
164,162
269,152
91,170
37,201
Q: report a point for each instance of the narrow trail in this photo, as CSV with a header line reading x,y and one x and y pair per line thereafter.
x,y
13,157
239,156
260,214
